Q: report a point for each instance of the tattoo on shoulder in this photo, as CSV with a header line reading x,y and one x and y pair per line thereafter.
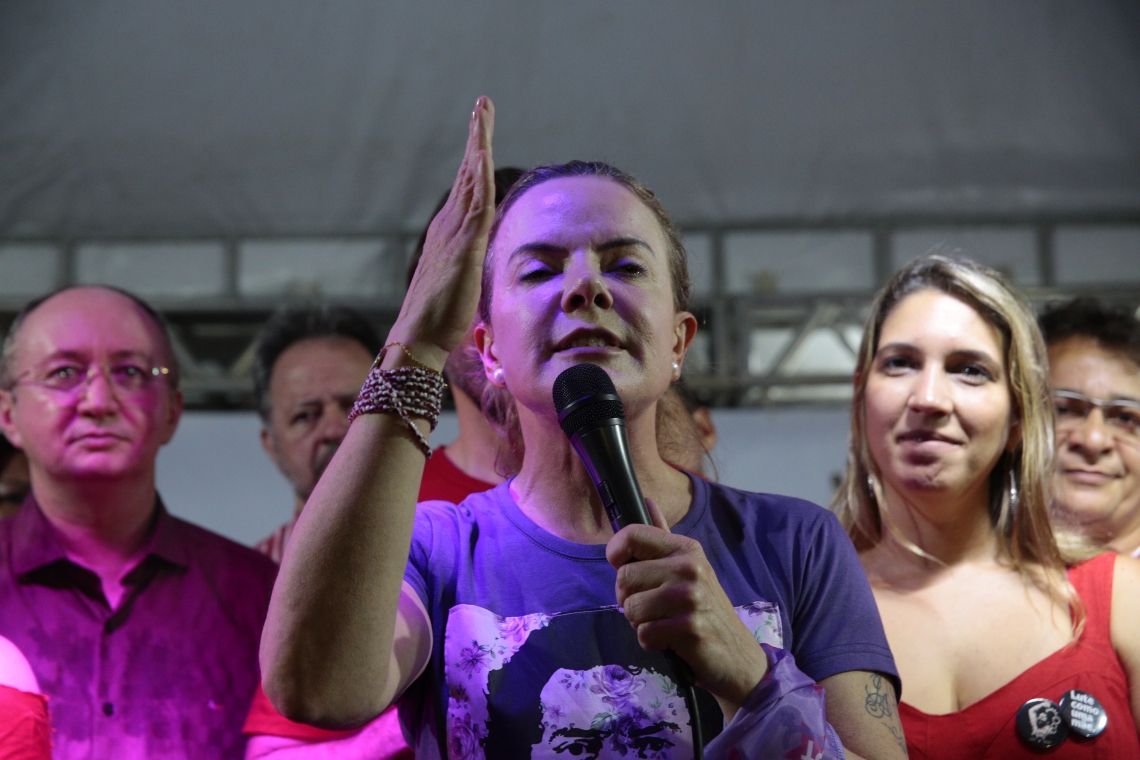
x,y
881,704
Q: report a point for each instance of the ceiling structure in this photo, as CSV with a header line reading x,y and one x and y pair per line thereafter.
x,y
223,158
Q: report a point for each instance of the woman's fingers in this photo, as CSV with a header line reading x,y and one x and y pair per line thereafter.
x,y
641,542
440,303
664,602
673,599
679,568
656,514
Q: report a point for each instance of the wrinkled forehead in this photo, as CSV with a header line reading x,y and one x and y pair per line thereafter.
x,y
1082,364
575,212
90,323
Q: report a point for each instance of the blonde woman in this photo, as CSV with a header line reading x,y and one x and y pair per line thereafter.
x,y
1003,634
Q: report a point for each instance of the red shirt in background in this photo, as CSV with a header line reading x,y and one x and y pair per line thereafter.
x,y
442,481
25,733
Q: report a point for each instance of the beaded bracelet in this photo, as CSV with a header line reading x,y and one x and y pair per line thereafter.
x,y
406,391
407,352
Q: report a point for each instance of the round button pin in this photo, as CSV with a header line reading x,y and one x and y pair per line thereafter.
x,y
1083,713
1040,725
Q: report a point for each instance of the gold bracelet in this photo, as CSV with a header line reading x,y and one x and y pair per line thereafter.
x,y
408,353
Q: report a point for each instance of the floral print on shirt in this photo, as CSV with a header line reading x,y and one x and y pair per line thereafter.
x,y
607,711
612,712
762,619
477,642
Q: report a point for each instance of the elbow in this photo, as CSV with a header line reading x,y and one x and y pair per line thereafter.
x,y
312,695
308,706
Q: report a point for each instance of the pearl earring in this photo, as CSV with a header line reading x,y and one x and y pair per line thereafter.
x,y
676,368
497,375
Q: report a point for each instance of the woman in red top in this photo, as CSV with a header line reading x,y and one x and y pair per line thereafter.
x,y
25,733
992,617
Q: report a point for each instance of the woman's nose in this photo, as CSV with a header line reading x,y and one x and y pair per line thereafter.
x,y
931,394
585,287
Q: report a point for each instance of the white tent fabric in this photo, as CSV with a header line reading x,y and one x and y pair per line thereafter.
x,y
292,117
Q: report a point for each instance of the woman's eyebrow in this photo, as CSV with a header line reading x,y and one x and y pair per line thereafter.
x,y
980,356
896,347
537,248
624,242
541,248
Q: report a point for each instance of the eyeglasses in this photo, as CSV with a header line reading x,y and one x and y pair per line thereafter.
x,y
1122,415
126,378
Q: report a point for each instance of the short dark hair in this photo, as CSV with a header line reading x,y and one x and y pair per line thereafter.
x,y
292,324
1114,328
8,349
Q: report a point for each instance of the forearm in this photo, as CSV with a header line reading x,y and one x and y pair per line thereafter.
x,y
327,644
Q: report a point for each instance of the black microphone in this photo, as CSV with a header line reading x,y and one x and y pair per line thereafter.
x,y
593,418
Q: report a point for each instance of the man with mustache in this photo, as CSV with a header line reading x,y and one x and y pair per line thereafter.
x,y
310,364
1094,362
141,629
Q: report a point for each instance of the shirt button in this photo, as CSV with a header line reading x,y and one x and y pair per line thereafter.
x,y
108,709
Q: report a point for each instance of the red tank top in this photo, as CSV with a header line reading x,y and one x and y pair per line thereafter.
x,y
987,729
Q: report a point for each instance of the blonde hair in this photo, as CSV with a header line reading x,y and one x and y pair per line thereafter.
x,y
1027,539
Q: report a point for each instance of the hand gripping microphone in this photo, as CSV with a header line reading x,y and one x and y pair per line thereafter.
x,y
593,418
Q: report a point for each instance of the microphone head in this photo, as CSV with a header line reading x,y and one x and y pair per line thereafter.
x,y
583,394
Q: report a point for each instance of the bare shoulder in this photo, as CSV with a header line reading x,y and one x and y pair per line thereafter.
x,y
1125,622
1126,571
14,668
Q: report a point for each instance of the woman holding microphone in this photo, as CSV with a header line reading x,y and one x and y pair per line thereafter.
x,y
496,622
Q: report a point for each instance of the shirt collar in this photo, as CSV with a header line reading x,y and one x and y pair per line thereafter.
x,y
34,542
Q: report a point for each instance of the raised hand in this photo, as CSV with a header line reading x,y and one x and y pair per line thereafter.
x,y
444,292
673,599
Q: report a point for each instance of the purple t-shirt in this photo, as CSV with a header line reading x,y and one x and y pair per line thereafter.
x,y
532,658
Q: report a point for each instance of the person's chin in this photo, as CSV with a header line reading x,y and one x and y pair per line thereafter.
x,y
1086,505
100,464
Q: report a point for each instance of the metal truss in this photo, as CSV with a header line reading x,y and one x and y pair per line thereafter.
x,y
754,349
732,376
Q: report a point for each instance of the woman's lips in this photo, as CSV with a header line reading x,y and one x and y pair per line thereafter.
x,y
575,350
926,439
587,339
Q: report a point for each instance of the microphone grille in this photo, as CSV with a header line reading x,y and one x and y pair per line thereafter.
x,y
587,413
580,381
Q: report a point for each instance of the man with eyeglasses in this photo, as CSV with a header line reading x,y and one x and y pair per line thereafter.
x,y
142,629
1094,362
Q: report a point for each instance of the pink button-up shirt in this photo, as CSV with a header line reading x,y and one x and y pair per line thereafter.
x,y
171,672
